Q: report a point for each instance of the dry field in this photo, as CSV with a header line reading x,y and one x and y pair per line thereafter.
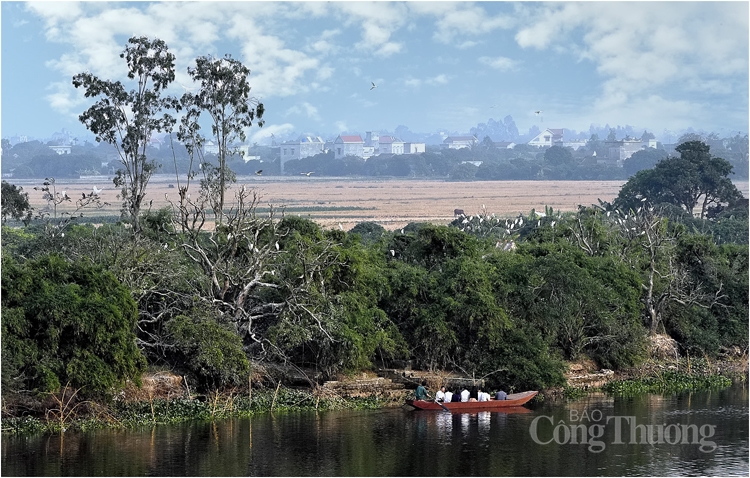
x,y
393,203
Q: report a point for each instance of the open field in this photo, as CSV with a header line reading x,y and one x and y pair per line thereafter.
x,y
392,203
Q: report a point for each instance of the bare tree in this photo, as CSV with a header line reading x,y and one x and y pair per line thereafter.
x,y
252,281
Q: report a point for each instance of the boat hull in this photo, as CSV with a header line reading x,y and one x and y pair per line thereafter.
x,y
514,401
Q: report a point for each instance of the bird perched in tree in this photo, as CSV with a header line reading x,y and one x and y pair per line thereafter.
x,y
373,85
259,172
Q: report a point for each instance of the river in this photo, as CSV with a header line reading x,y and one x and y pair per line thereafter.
x,y
703,433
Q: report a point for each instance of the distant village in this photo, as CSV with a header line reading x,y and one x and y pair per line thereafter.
x,y
375,144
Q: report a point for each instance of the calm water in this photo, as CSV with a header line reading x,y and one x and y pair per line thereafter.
x,y
701,434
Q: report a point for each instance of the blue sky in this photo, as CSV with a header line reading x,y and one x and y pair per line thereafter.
x,y
437,65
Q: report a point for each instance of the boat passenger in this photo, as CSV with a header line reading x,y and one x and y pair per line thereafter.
x,y
440,395
448,396
474,395
464,395
421,392
456,397
483,396
500,395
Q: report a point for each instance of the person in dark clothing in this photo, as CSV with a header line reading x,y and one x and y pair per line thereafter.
x,y
456,397
500,395
421,392
474,394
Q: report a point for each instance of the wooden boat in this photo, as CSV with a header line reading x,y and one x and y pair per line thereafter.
x,y
514,401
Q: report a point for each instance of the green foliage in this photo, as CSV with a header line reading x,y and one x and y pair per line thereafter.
x,y
558,156
128,119
644,159
668,382
694,176
64,322
15,203
209,351
368,231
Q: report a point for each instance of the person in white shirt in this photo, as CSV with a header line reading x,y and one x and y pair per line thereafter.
x,y
464,395
484,397
440,395
448,396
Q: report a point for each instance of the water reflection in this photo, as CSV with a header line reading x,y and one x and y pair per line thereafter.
x,y
396,443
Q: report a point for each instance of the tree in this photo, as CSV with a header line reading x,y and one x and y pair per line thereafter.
x,y
643,159
67,322
128,119
647,136
224,93
558,156
15,203
611,136
695,178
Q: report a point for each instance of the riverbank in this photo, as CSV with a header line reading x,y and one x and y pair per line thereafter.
x,y
163,398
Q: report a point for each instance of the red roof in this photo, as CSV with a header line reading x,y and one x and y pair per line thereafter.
x,y
352,139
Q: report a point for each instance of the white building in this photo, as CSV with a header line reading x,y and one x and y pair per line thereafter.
x,y
390,145
348,145
458,142
414,148
209,147
548,137
621,150
61,149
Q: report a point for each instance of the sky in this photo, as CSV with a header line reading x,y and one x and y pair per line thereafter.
x,y
437,66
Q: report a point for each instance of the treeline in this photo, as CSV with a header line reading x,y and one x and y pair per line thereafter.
x,y
484,162
508,299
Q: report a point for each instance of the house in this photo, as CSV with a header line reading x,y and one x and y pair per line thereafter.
x,y
348,145
621,150
414,148
548,137
458,142
390,145
504,144
303,147
61,149
574,144
209,147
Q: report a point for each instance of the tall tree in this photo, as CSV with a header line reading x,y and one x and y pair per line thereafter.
x,y
224,94
695,178
128,119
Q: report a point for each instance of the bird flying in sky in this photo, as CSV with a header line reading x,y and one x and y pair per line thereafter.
x,y
373,85
259,172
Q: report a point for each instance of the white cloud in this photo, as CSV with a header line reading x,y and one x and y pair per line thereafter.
x,y
412,82
467,44
378,21
460,19
305,109
499,63
341,126
437,80
648,49
63,99
270,129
